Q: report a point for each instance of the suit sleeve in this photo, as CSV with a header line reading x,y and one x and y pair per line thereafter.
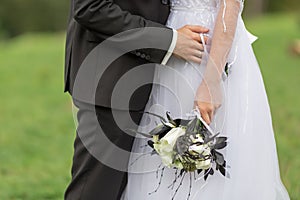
x,y
104,17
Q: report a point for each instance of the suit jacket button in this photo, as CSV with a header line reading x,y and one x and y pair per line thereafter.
x,y
143,56
165,2
148,57
138,53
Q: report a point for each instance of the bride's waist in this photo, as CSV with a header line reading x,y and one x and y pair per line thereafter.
x,y
193,9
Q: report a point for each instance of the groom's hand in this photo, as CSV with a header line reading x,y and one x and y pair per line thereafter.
x,y
189,45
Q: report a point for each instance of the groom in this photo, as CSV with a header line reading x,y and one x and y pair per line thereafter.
x,y
91,22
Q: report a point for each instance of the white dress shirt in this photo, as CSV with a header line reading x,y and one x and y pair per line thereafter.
x,y
171,48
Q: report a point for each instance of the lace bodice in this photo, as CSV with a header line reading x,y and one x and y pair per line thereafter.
x,y
200,12
196,4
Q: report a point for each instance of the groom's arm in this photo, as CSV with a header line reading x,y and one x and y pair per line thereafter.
x,y
104,17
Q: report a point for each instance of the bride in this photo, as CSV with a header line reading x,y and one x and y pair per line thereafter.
x,y
231,99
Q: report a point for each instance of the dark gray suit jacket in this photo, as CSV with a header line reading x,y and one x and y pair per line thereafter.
x,y
93,21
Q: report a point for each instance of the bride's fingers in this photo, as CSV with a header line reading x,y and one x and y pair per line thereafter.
x,y
205,116
210,114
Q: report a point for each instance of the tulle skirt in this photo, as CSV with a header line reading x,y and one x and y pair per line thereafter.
x,y
244,118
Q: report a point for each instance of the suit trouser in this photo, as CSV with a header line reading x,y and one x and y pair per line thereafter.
x,y
91,178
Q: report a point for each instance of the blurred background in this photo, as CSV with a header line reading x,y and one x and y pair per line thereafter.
x,y
36,124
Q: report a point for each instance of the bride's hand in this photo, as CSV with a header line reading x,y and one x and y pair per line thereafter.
x,y
206,110
208,100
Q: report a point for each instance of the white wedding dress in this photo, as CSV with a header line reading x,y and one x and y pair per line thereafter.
x,y
244,116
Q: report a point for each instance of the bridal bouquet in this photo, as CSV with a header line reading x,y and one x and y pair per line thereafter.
x,y
188,145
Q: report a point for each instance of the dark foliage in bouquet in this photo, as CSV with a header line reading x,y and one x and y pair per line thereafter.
x,y
187,146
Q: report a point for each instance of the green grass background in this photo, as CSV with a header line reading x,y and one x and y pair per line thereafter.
x,y
36,124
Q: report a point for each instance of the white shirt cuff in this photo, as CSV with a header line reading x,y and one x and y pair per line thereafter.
x,y
171,48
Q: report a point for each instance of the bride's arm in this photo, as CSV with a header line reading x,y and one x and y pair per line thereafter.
x,y
224,32
209,95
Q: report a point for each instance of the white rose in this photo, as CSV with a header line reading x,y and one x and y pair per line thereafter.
x,y
172,136
165,146
205,164
165,151
201,149
205,151
197,138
